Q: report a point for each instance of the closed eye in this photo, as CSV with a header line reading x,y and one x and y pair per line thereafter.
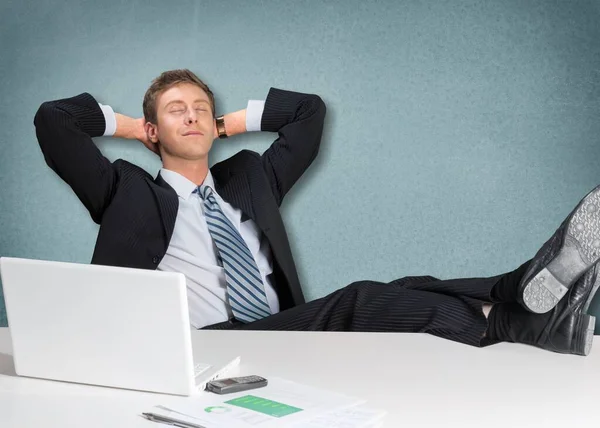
x,y
179,111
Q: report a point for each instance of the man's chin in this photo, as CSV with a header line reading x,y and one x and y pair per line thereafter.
x,y
193,156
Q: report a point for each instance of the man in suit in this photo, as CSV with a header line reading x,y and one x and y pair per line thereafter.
x,y
222,229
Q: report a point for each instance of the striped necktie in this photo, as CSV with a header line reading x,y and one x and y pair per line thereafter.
x,y
244,284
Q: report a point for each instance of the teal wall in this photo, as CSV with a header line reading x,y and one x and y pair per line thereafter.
x,y
459,134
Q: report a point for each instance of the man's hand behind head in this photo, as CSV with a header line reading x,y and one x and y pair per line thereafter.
x,y
134,129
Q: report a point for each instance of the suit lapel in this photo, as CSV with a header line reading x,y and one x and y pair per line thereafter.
x,y
168,204
236,191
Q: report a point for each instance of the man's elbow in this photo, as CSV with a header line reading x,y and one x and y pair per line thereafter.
x,y
321,111
321,108
42,114
313,107
318,107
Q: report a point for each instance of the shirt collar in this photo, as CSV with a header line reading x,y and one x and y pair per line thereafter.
x,y
182,186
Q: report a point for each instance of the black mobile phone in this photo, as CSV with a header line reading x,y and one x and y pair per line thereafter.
x,y
235,384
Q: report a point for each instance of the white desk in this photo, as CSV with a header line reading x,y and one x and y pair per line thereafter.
x,y
421,380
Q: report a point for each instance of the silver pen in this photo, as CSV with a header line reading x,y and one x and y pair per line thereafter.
x,y
170,421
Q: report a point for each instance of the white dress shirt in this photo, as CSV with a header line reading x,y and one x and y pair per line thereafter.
x,y
192,251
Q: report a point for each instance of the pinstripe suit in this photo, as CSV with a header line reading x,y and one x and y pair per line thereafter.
x,y
137,213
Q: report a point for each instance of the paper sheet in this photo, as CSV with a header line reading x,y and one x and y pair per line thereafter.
x,y
280,404
353,417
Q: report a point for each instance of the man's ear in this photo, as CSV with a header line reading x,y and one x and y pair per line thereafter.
x,y
151,131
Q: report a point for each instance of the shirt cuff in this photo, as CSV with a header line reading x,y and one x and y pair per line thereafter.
x,y
254,112
110,119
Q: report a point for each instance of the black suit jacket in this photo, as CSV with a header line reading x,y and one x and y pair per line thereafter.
x,y
137,212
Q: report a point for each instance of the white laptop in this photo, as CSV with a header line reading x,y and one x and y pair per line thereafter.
x,y
102,325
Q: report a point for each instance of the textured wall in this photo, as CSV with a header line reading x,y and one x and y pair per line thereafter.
x,y
459,134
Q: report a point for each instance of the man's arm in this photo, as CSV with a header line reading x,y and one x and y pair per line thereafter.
x,y
298,118
64,129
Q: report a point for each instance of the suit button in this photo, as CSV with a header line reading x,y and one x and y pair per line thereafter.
x,y
155,260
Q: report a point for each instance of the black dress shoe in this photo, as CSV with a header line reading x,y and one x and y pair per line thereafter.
x,y
564,258
570,329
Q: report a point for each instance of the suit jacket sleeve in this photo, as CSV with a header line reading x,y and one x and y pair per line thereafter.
x,y
64,129
298,119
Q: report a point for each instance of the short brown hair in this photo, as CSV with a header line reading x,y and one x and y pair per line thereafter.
x,y
166,80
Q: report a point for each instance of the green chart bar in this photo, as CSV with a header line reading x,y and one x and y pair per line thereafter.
x,y
262,405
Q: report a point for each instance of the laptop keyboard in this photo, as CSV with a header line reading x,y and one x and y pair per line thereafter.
x,y
200,368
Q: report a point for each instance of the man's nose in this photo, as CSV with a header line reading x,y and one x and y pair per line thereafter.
x,y
191,116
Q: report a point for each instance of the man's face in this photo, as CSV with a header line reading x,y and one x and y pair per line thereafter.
x,y
185,125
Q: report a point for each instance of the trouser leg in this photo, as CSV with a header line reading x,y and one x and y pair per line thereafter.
x,y
369,306
451,309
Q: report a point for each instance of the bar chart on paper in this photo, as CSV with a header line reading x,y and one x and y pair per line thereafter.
x,y
264,406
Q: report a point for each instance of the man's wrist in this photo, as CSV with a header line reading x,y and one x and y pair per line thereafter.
x,y
126,127
235,123
221,131
246,120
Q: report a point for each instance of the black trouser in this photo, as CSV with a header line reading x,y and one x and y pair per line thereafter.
x,y
451,309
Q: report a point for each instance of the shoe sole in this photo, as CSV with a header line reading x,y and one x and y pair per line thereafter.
x,y
581,249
